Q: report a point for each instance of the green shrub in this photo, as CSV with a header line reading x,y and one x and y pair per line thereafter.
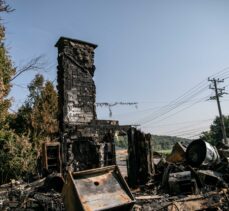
x,y
17,158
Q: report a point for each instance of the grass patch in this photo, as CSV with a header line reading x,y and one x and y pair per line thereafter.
x,y
164,151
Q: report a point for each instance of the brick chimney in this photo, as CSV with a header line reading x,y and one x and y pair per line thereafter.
x,y
76,87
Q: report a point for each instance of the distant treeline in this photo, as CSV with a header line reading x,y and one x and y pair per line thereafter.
x,y
167,142
158,142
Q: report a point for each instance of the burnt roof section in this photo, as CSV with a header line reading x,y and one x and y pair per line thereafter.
x,y
61,39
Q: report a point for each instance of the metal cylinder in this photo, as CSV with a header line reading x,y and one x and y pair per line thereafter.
x,y
200,153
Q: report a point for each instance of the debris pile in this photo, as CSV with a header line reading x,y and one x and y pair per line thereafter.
x,y
215,200
42,194
190,178
80,171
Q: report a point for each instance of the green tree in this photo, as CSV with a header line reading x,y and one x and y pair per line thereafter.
x,y
6,72
38,116
45,113
215,135
16,155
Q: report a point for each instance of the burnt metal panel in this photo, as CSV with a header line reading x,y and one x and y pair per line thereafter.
x,y
97,189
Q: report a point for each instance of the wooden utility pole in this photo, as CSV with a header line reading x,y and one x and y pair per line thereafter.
x,y
219,93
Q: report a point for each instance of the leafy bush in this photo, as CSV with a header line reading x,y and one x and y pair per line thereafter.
x,y
17,158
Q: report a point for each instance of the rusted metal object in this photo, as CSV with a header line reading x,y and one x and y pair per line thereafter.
x,y
200,152
97,189
182,182
178,154
51,159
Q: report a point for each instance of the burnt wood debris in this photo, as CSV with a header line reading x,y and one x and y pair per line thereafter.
x,y
81,171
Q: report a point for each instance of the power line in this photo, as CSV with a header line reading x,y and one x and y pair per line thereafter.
x,y
111,105
137,111
194,136
190,94
205,98
12,110
189,131
182,128
220,73
177,123
20,86
226,77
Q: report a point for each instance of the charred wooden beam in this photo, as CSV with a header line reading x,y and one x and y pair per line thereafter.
x,y
140,158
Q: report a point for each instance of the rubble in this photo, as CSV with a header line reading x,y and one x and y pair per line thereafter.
x,y
209,201
211,178
193,179
31,196
80,171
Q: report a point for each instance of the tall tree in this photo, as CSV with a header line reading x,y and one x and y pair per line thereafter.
x,y
45,112
38,116
6,72
16,154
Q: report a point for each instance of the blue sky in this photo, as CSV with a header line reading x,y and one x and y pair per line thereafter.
x,y
149,51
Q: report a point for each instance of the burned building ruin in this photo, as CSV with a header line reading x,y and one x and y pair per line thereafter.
x,y
86,141
81,172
